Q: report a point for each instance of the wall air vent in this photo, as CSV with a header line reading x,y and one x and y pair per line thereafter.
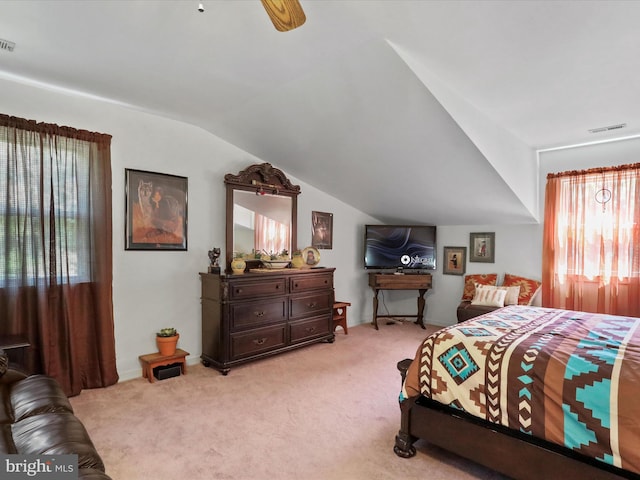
x,y
7,45
606,129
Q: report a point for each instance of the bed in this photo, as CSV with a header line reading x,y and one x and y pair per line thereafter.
x,y
531,392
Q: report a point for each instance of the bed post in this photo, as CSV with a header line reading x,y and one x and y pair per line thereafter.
x,y
404,441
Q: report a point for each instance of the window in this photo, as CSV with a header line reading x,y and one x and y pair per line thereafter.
x,y
44,212
591,246
56,250
598,227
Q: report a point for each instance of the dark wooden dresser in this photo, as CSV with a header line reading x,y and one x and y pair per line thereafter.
x,y
256,315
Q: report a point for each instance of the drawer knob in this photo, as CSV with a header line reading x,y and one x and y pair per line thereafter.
x,y
312,305
259,314
260,341
311,329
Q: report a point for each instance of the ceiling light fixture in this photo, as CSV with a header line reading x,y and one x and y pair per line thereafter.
x,y
285,14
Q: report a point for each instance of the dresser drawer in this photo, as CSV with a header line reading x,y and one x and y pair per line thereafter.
x,y
257,341
255,314
301,283
246,290
308,329
308,305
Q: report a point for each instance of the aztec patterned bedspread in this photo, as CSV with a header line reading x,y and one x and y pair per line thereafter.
x,y
571,378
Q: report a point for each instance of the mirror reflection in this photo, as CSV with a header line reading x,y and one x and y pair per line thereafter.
x,y
261,223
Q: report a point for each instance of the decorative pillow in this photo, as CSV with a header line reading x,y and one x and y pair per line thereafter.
x,y
481,279
489,296
528,287
512,294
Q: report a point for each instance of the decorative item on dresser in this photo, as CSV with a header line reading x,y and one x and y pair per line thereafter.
x,y
214,254
297,261
256,315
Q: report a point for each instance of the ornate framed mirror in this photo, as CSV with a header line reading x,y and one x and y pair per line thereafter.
x,y
262,213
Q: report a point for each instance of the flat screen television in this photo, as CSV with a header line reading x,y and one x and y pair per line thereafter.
x,y
400,247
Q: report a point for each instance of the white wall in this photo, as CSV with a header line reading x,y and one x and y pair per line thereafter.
x,y
619,152
155,289
510,156
518,251
347,254
518,247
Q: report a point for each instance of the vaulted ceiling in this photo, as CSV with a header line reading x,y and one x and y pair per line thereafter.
x,y
411,111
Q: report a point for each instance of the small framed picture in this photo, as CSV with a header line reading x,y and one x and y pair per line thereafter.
x,y
155,211
455,260
322,230
482,247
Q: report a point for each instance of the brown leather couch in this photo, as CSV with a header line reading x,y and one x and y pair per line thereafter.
x,y
36,418
466,310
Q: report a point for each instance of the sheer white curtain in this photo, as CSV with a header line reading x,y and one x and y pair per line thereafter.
x,y
591,243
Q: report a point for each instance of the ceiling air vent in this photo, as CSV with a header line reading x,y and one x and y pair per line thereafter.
x,y
7,45
606,129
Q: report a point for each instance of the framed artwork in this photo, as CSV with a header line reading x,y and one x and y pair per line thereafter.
x,y
322,230
155,211
455,260
482,247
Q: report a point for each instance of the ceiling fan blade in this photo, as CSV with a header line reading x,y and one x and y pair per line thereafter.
x,y
285,14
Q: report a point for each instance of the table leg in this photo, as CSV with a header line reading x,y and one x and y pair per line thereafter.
x,y
150,376
375,308
421,302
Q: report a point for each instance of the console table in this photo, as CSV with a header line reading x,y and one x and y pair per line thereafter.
x,y
391,281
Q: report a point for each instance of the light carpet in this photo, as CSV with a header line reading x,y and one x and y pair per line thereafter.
x,y
327,411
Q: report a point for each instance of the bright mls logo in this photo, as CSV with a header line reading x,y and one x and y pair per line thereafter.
x,y
51,467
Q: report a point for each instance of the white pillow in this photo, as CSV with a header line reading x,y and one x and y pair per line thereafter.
x,y
489,295
512,295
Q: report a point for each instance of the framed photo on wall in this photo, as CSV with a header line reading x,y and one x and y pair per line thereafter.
x,y
155,211
322,230
482,247
455,260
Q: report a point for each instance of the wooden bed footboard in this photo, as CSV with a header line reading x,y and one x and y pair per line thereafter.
x,y
517,455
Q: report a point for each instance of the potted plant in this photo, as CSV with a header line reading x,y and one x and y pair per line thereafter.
x,y
167,339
